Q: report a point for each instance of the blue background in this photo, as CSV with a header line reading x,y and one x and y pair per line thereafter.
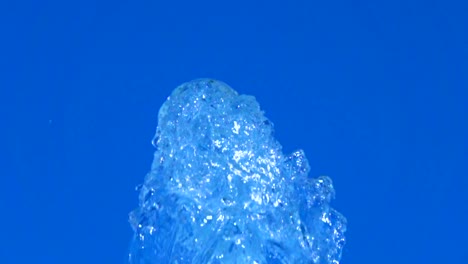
x,y
375,92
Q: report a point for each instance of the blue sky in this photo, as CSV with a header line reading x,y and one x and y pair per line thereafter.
x,y
375,92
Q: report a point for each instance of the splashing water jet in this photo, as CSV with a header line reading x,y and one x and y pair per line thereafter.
x,y
220,190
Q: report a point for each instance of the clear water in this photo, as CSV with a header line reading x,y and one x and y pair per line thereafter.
x,y
220,190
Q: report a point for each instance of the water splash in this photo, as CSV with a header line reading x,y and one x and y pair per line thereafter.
x,y
220,190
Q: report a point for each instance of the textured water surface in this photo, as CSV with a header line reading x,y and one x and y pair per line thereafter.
x,y
220,190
